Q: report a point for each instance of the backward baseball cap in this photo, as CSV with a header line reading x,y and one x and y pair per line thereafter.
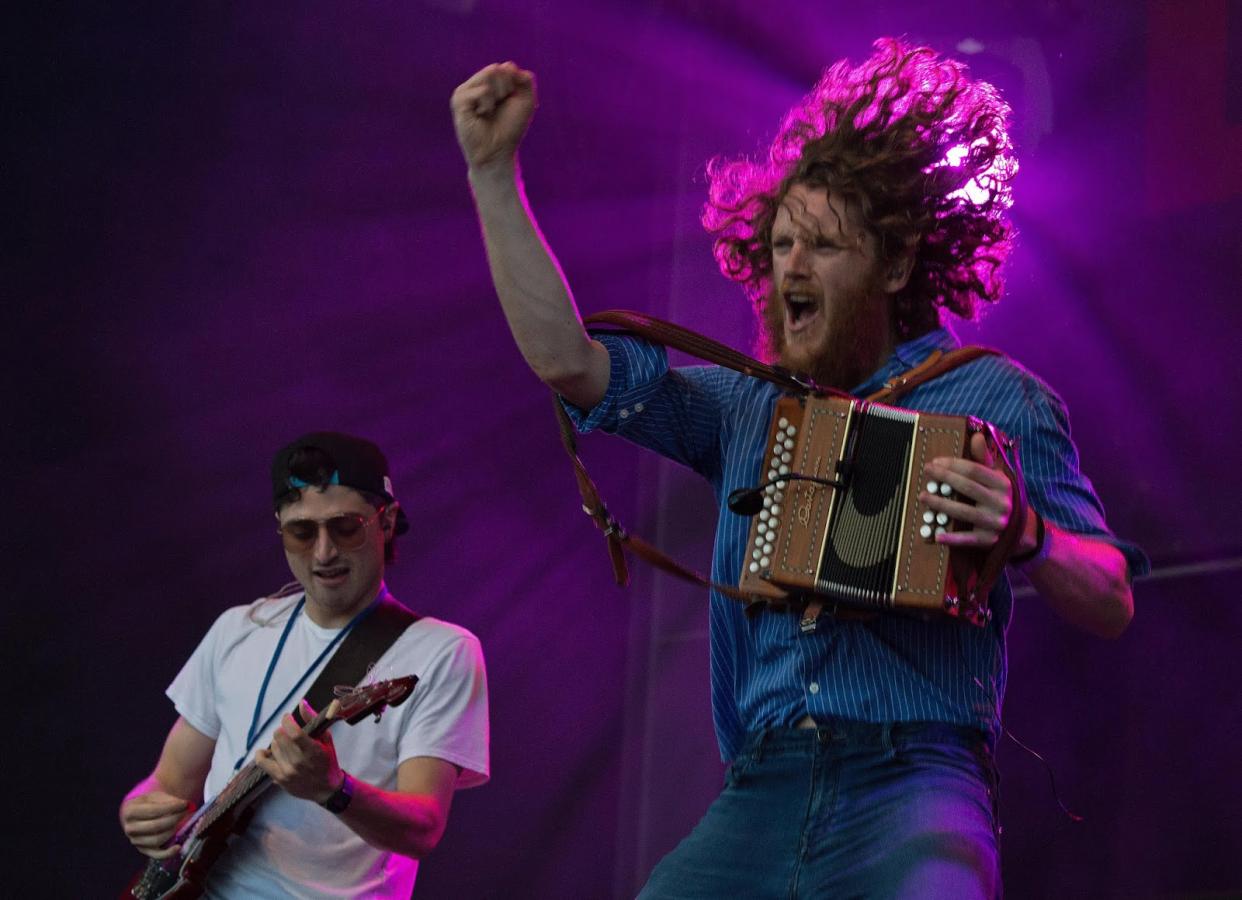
x,y
353,462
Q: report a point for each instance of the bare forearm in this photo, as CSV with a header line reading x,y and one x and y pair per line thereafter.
x,y
409,824
1084,581
536,300
152,810
152,783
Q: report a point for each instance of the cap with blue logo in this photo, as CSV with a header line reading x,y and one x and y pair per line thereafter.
x,y
350,461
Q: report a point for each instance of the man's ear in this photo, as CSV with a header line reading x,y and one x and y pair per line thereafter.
x,y
897,275
390,518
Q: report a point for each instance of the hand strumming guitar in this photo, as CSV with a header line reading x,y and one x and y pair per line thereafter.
x,y
150,819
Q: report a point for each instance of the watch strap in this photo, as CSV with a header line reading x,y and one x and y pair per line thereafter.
x,y
339,801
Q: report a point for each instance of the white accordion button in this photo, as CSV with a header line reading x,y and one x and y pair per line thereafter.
x,y
767,549
765,562
925,531
946,490
789,444
776,509
929,517
784,470
774,523
782,422
754,567
786,457
763,515
933,487
942,519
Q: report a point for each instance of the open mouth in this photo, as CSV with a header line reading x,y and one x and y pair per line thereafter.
x,y
800,309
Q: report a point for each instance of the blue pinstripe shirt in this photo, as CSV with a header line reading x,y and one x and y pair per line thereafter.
x,y
764,671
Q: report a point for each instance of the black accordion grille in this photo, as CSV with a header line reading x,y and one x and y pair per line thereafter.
x,y
860,554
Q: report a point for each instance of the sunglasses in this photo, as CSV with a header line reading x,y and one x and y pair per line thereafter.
x,y
347,532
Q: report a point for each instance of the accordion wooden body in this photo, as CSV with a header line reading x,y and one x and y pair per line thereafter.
x,y
865,542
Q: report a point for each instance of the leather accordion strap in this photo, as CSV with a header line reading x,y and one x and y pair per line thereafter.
x,y
937,363
592,503
668,334
1005,454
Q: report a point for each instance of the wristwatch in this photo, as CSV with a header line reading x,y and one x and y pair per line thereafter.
x,y
339,801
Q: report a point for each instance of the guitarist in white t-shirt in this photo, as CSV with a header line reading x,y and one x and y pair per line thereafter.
x,y
356,807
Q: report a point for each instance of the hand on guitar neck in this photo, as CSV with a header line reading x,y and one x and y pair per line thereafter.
x,y
303,765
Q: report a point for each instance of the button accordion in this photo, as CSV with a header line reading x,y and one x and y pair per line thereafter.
x,y
841,518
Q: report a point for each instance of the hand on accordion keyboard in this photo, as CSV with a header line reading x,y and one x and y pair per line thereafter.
x,y
981,498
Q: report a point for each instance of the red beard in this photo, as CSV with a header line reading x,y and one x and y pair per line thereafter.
x,y
858,340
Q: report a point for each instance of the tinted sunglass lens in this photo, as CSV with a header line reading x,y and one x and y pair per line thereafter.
x,y
299,533
347,532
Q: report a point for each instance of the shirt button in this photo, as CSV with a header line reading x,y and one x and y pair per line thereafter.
x,y
625,413
813,687
638,407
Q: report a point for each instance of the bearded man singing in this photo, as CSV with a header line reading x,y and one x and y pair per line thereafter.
x,y
861,753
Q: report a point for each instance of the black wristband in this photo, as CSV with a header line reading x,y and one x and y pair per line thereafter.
x,y
339,801
1041,535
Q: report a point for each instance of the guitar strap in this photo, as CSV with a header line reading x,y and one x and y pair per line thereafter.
x,y
361,649
671,335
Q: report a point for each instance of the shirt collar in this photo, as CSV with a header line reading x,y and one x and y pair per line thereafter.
x,y
906,356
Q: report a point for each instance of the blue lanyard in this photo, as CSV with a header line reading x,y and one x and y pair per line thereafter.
x,y
255,728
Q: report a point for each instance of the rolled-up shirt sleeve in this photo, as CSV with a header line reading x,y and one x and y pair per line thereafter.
x,y
635,368
675,412
1056,485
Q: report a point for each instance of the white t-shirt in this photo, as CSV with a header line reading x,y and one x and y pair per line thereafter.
x,y
295,848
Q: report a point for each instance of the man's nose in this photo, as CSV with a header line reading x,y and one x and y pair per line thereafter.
x,y
325,549
797,260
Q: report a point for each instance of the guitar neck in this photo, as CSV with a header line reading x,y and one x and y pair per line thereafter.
x,y
246,785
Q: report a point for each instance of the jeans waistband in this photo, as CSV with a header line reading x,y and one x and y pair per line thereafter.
x,y
850,734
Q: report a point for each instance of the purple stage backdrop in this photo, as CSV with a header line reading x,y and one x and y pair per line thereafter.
x,y
233,223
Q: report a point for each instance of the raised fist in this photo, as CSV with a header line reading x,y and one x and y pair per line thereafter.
x,y
491,111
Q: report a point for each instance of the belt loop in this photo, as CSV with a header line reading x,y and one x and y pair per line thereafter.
x,y
886,740
823,729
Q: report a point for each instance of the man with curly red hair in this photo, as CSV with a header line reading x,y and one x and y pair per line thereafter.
x,y
860,751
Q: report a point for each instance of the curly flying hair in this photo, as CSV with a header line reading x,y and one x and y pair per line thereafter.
x,y
920,148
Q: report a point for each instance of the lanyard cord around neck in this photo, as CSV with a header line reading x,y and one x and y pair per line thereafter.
x,y
255,728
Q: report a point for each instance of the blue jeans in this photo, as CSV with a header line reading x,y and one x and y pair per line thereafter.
x,y
848,809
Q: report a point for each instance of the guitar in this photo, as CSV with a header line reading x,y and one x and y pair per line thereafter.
x,y
205,835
